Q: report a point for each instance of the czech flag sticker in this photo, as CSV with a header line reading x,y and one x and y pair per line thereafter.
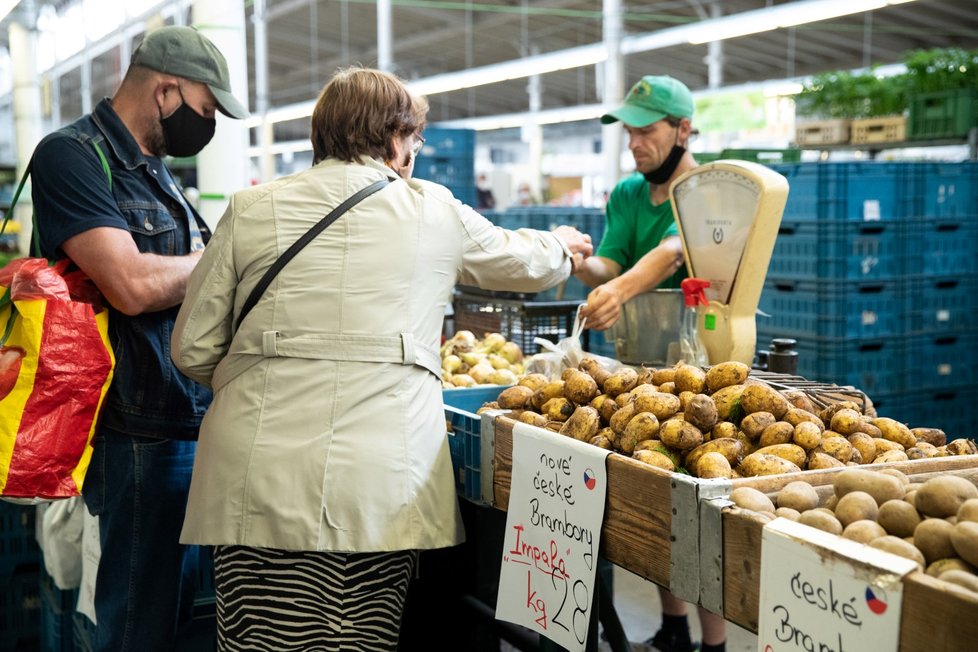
x,y
589,480
876,600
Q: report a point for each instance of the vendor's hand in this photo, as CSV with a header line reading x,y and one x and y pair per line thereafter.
x,y
603,307
577,242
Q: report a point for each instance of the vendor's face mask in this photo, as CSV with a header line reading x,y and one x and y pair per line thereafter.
x,y
186,132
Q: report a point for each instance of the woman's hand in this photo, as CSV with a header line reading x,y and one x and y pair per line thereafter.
x,y
577,242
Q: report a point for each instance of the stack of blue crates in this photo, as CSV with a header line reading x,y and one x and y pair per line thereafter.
x,y
448,158
20,562
875,274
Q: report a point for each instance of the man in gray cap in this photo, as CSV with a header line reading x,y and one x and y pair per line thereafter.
x,y
640,251
640,248
105,199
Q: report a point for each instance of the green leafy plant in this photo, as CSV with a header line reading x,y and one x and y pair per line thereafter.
x,y
941,69
843,95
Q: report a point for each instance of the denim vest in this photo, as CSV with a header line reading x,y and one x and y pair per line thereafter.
x,y
148,395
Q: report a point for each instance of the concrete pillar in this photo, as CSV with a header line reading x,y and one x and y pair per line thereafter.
x,y
532,134
266,160
385,57
223,166
612,92
27,114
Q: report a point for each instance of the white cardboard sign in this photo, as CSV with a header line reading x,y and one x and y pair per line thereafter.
x,y
553,529
823,593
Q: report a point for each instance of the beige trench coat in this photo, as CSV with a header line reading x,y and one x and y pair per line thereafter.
x,y
327,430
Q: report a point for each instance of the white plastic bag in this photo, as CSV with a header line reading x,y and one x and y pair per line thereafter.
x,y
61,541
567,353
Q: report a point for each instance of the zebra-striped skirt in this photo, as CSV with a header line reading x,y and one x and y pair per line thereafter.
x,y
284,601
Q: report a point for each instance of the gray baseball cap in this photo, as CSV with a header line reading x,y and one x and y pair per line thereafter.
x,y
184,52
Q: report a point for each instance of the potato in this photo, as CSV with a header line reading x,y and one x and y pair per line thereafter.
x,y
579,386
765,464
558,409
515,397
823,521
880,486
932,436
962,447
583,423
723,430
763,398
935,568
961,578
754,424
601,442
730,448
899,547
701,411
684,399
642,426
727,401
594,369
533,381
660,404
919,452
808,435
620,382
898,517
645,375
605,405
798,495
788,513
893,430
608,434
847,422
968,511
554,426
799,399
690,378
964,538
837,447
943,496
791,452
554,389
533,418
891,456
819,460
660,376
863,531
623,399
933,538
712,465
865,444
752,499
856,506
655,458
779,432
621,418
641,388
679,434
726,374
795,416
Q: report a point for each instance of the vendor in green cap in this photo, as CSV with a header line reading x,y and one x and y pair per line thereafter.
x,y
640,249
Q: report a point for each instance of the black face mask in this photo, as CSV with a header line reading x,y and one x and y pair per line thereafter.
x,y
661,174
185,132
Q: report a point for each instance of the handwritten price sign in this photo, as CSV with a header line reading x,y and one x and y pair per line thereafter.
x,y
553,528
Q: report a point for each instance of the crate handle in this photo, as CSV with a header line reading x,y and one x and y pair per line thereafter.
x,y
943,285
946,341
872,346
945,396
870,289
784,287
875,229
786,229
951,226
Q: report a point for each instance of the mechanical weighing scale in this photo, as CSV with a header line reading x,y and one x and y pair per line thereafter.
x,y
728,213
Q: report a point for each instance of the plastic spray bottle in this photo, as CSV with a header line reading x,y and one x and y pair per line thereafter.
x,y
691,346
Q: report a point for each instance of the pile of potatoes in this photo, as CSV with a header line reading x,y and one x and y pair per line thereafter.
x,y
467,361
934,523
718,423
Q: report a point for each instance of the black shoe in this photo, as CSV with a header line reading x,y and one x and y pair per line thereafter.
x,y
663,642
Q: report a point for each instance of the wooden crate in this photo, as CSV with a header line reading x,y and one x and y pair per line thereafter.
x,y
924,598
889,129
822,132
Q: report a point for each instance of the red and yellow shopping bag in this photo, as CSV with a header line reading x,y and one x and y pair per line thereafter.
x,y
55,368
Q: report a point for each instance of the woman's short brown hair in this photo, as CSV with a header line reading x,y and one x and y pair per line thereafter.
x,y
360,111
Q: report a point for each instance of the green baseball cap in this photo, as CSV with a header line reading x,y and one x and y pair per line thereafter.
x,y
184,52
652,99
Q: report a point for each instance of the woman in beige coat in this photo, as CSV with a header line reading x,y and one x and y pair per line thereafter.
x,y
323,466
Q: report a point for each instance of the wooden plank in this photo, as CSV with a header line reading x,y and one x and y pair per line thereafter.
x,y
742,565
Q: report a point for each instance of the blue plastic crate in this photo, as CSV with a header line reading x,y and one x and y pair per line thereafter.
x,y
949,189
803,190
57,609
936,362
837,249
464,440
874,366
600,343
832,309
883,191
20,611
933,409
448,143
943,246
18,542
941,305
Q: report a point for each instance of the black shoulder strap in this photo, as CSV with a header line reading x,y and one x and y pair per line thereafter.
x,y
306,238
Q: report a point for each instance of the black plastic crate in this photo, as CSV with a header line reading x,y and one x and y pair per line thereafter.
x,y
20,611
518,320
18,542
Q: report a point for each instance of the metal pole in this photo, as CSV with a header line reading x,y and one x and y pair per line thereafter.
x,y
266,160
384,49
613,90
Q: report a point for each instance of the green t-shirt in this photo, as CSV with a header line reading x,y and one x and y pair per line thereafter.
x,y
634,227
